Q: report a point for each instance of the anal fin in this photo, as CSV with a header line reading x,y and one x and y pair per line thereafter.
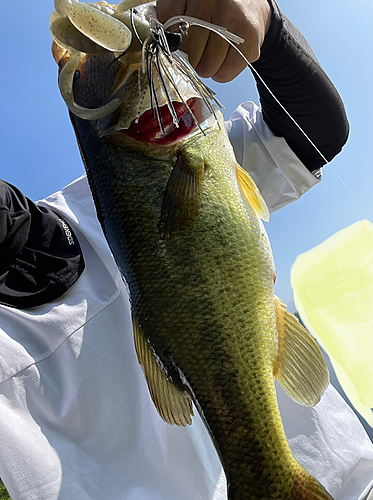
x,y
173,405
300,366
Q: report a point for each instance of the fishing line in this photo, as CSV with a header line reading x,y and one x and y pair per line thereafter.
x,y
232,41
302,131
158,40
305,135
351,192
229,37
281,105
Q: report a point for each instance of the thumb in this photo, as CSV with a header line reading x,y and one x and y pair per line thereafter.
x,y
170,8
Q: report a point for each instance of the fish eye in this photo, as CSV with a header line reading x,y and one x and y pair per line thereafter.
x,y
76,75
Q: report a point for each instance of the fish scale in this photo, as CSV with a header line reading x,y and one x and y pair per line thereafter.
x,y
183,222
213,318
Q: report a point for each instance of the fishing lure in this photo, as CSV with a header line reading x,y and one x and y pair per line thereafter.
x,y
125,29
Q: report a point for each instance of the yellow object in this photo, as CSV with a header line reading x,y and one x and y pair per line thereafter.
x,y
333,293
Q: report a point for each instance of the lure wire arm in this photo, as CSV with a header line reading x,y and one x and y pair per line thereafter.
x,y
233,40
153,94
112,34
192,21
170,78
133,26
170,106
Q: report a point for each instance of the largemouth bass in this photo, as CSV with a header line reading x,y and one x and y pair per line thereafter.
x,y
182,219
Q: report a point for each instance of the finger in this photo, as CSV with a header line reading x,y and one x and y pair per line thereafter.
x,y
194,44
213,56
232,66
234,63
170,8
195,41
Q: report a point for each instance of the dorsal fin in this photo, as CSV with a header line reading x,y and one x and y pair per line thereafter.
x,y
252,193
173,405
300,366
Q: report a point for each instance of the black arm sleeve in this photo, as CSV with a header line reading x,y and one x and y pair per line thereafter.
x,y
40,256
290,69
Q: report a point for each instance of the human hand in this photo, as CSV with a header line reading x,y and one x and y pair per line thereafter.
x,y
209,54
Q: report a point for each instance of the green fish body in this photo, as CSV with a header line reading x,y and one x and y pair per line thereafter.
x,y
183,223
200,273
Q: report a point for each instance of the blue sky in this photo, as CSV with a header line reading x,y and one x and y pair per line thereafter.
x,y
39,154
38,150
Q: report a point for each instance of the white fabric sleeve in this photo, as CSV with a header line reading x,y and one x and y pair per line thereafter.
x,y
329,441
279,174
76,419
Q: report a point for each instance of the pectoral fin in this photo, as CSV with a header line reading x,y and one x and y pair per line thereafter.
x,y
173,405
252,193
183,195
300,366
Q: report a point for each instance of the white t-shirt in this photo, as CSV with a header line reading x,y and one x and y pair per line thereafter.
x,y
76,418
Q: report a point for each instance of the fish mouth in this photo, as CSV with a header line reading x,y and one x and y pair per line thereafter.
x,y
162,129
